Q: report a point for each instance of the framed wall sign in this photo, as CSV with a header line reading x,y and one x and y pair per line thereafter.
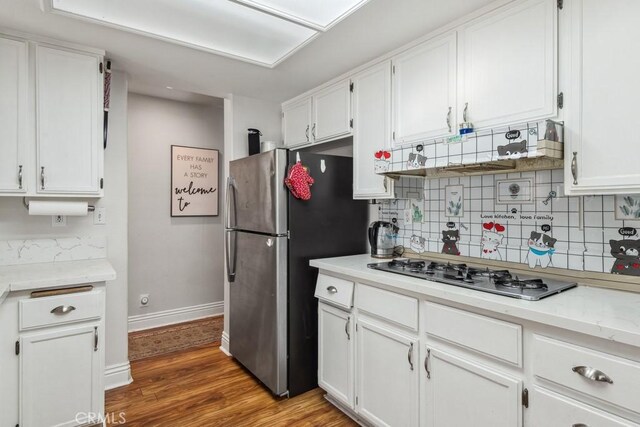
x,y
194,181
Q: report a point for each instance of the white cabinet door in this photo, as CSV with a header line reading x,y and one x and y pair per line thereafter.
x,y
69,121
549,409
603,97
13,114
331,112
296,123
335,353
464,393
371,131
60,377
387,375
424,91
508,62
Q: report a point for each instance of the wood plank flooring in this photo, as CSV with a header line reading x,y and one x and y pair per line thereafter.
x,y
203,387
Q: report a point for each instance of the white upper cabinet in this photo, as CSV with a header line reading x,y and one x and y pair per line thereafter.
x,y
69,121
323,116
424,91
602,96
371,105
296,122
508,65
331,112
13,114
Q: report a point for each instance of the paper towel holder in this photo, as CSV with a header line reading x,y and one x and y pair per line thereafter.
x,y
90,208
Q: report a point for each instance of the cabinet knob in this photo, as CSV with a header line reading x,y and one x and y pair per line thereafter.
x,y
332,289
63,309
592,374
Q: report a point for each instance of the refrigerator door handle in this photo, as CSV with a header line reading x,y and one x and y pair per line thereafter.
x,y
230,212
230,254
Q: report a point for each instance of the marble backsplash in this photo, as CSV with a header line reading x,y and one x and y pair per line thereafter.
x,y
31,251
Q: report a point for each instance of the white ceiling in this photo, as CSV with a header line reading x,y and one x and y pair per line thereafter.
x,y
374,29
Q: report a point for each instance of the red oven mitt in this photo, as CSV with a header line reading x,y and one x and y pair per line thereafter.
x,y
298,181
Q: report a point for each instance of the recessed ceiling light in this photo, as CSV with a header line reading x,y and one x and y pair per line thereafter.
x,y
169,87
222,27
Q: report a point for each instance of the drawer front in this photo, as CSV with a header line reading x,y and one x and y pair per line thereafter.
x,y
558,362
397,308
334,291
549,409
492,337
60,309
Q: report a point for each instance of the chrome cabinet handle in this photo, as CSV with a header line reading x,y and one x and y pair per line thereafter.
x,y
579,425
306,132
592,374
332,289
42,178
574,167
63,309
20,177
449,119
346,328
313,131
426,364
386,187
95,338
465,111
410,356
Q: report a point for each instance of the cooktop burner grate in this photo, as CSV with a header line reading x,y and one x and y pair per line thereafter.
x,y
500,282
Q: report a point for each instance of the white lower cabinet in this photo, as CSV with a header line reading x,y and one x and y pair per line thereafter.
x,y
549,409
387,371
60,376
336,353
465,393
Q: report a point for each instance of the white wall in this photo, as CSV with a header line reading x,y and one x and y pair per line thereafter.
x,y
16,224
240,114
177,261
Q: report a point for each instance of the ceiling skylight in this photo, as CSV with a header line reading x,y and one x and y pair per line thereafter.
x,y
220,26
317,14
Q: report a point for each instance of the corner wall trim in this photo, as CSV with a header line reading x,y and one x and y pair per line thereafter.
x,y
178,315
117,375
224,344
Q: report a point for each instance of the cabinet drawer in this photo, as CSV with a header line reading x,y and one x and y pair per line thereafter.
x,y
334,291
553,410
397,308
556,360
495,338
47,311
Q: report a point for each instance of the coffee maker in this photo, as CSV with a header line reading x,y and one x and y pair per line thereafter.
x,y
382,239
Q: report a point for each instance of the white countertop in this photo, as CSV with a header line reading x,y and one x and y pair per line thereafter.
x,y
47,275
605,313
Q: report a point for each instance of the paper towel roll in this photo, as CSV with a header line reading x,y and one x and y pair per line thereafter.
x,y
42,207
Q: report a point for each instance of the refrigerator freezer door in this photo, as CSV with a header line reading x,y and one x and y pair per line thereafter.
x,y
258,197
258,308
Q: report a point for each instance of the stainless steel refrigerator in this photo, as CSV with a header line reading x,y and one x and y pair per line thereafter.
x,y
270,238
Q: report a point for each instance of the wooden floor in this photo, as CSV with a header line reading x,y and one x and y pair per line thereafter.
x,y
203,387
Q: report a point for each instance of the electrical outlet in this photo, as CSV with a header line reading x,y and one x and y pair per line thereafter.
x,y
58,221
100,216
144,300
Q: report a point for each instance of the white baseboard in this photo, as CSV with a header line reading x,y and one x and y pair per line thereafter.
x,y
117,376
178,315
224,344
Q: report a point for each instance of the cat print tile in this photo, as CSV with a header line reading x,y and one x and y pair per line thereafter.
x,y
416,161
417,243
492,237
450,239
382,161
541,250
626,253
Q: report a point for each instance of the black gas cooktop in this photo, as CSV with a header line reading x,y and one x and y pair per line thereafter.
x,y
500,282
